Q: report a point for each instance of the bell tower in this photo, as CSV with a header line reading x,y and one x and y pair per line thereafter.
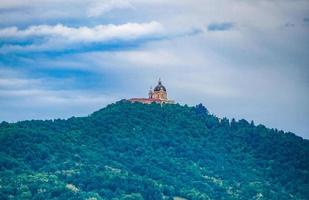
x,y
150,93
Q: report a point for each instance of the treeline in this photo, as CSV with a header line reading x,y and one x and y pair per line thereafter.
x,y
137,151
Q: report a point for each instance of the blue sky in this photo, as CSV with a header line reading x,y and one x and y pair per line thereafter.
x,y
241,59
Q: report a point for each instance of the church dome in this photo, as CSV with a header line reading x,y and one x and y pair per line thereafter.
x,y
159,87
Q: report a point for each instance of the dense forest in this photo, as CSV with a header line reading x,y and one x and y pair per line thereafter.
x,y
133,151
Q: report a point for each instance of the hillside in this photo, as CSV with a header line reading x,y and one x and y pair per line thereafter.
x,y
137,151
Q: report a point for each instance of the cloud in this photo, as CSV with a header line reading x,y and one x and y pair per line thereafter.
x,y
98,33
44,37
102,7
220,26
59,38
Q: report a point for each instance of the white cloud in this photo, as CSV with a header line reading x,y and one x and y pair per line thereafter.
x,y
102,7
98,33
61,37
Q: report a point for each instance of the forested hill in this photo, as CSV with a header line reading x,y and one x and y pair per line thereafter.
x,y
137,151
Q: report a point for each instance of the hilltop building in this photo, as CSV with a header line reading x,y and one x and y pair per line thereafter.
x,y
157,95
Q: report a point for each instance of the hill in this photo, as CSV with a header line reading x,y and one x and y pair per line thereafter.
x,y
137,151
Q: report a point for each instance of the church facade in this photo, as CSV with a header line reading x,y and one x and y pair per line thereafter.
x,y
157,95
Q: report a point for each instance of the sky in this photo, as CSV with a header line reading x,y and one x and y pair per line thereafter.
x,y
241,59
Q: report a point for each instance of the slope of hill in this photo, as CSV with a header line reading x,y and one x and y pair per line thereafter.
x,y
136,151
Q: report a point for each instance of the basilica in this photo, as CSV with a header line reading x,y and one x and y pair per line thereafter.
x,y
157,95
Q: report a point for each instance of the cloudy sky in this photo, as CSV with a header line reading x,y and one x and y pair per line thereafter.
x,y
241,59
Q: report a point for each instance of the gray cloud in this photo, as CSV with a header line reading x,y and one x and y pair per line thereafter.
x,y
220,26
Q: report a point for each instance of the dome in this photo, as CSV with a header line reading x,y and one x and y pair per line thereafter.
x,y
159,87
